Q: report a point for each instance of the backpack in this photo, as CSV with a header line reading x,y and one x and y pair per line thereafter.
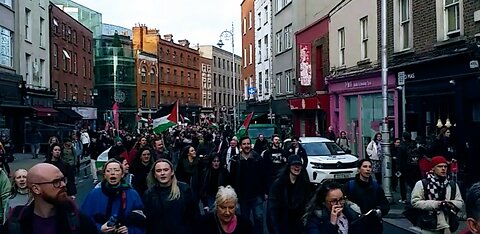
x,y
14,225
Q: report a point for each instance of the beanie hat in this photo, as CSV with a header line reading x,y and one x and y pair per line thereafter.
x,y
437,160
294,160
117,139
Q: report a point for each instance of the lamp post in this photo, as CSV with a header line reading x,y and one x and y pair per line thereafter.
x,y
387,159
228,35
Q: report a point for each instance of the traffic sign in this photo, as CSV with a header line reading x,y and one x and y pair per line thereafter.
x,y
252,90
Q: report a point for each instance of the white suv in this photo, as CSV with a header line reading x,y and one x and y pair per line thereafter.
x,y
326,160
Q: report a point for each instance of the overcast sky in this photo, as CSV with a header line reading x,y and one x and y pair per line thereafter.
x,y
199,21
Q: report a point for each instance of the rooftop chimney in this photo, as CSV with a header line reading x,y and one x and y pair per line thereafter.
x,y
184,42
168,37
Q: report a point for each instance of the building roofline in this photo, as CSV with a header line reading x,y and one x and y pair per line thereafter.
x,y
68,15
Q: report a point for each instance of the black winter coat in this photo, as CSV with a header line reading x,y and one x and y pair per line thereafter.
x,y
249,177
140,173
209,185
284,210
166,216
368,196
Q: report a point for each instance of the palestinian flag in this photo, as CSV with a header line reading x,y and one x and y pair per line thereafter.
x,y
165,118
244,128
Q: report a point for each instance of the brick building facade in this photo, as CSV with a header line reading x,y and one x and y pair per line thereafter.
x,y
147,81
433,47
71,60
179,68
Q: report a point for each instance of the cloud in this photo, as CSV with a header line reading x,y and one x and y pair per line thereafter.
x,y
196,20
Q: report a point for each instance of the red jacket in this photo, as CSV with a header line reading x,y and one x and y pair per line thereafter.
x,y
466,231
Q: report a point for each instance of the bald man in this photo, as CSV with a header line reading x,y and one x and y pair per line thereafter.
x,y
51,211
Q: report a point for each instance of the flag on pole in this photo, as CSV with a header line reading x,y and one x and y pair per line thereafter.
x,y
244,128
165,118
116,115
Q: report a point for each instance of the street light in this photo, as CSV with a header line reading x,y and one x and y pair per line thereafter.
x,y
228,35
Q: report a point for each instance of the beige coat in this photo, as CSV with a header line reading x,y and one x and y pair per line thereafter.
x,y
419,201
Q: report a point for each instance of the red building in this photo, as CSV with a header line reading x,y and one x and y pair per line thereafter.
x,y
71,64
179,68
311,110
147,81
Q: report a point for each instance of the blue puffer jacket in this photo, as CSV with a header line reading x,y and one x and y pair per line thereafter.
x,y
97,203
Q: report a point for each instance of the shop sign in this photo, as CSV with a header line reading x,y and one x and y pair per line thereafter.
x,y
357,84
305,65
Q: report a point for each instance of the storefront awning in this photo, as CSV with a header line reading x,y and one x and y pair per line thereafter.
x,y
308,103
45,111
70,114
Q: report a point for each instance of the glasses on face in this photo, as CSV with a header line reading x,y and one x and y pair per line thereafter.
x,y
339,201
57,183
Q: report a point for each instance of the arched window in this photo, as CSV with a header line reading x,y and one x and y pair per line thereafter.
x,y
143,73
152,76
181,57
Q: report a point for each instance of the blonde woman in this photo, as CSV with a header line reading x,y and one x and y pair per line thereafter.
x,y
169,205
19,195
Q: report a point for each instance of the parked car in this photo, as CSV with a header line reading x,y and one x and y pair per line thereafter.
x,y
326,160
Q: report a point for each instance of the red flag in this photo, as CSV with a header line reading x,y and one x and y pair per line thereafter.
x,y
246,122
107,126
174,114
116,115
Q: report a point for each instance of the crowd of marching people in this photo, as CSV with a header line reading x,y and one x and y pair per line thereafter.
x,y
199,180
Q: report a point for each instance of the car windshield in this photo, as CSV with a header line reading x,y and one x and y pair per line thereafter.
x,y
322,148
267,132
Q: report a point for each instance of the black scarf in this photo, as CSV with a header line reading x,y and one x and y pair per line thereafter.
x,y
112,192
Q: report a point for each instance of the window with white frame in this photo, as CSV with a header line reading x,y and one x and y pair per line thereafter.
x,y
405,25
7,2
279,5
250,24
452,17
364,37
278,78
250,53
287,32
265,10
42,26
244,25
267,83
288,80
260,84
6,48
259,20
28,21
341,46
244,58
278,37
259,49
265,43
28,62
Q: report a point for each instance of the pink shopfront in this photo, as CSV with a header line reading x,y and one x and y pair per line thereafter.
x,y
356,106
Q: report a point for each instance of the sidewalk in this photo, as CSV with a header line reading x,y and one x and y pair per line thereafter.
x,y
396,218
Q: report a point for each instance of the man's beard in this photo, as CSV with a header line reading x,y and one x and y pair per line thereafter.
x,y
60,198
